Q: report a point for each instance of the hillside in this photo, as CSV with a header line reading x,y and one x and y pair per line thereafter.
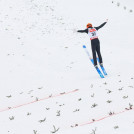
x,y
48,85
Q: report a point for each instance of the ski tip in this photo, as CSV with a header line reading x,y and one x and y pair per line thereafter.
x,y
102,76
84,46
99,72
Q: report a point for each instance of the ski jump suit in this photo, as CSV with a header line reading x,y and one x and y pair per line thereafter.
x,y
95,43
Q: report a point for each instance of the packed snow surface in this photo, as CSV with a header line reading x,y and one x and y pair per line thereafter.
x,y
48,84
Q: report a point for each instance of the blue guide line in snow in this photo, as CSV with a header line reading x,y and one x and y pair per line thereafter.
x,y
91,59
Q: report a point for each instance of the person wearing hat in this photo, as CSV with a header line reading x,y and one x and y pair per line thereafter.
x,y
95,43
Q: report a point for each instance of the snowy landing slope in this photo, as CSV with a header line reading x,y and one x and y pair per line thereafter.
x,y
47,82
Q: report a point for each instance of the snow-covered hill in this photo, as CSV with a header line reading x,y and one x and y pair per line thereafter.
x,y
48,85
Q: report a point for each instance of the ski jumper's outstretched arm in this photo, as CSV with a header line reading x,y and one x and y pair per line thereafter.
x,y
83,31
97,28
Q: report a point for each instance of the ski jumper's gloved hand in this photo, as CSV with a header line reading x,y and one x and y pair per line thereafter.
x,y
106,20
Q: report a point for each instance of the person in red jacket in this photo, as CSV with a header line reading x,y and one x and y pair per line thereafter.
x,y
95,43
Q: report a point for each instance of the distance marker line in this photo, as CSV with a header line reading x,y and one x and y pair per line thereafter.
x,y
49,97
102,118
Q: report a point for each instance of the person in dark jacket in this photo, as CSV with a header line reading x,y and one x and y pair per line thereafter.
x,y
95,43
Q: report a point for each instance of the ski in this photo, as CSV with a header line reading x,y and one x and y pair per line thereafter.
x,y
102,68
99,72
91,59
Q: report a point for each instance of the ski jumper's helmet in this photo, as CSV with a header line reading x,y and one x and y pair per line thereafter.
x,y
89,25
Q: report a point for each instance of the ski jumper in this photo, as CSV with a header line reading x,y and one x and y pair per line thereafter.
x,y
95,43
